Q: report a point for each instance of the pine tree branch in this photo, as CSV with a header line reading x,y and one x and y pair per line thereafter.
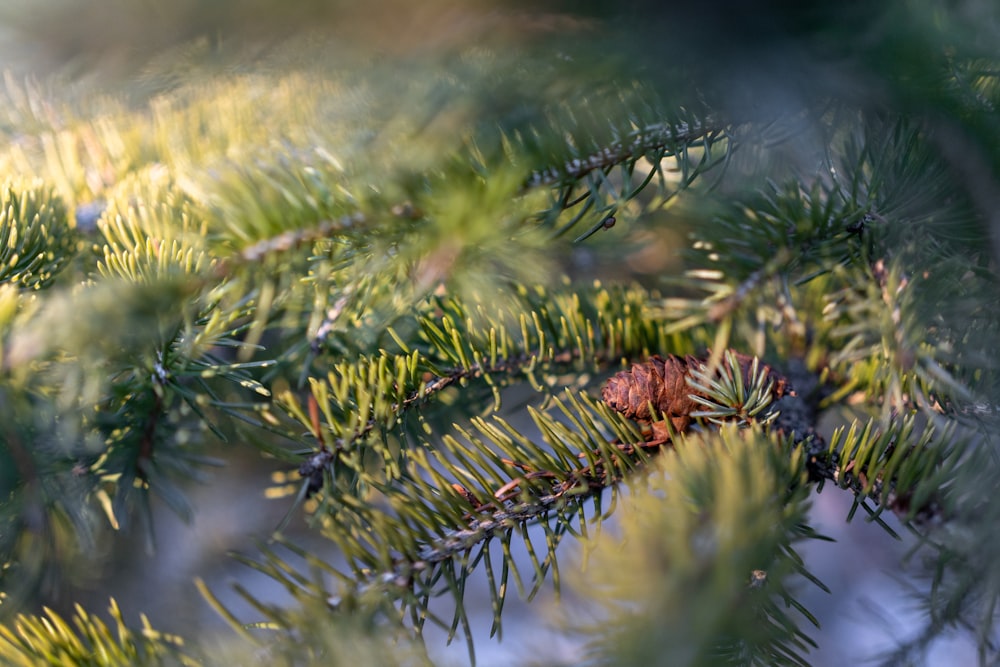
x,y
576,485
582,330
50,639
658,138
354,223
487,520
650,139
313,467
878,465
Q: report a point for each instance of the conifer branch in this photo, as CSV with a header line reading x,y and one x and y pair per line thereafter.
x,y
748,386
50,639
648,140
534,491
583,330
353,223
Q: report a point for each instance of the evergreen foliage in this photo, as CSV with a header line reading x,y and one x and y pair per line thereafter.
x,y
406,279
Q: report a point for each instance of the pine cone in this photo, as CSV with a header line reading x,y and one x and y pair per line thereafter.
x,y
662,383
658,381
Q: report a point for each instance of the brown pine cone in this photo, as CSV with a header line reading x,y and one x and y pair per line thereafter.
x,y
662,382
658,381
